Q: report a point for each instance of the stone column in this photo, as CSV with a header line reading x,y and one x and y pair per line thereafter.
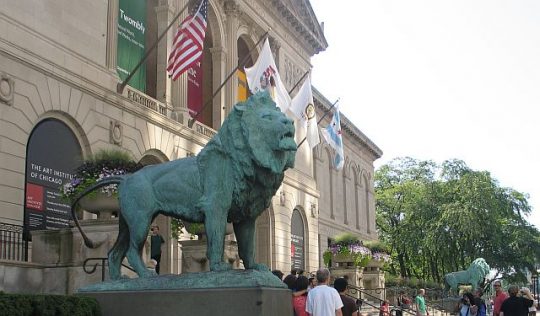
x,y
232,12
112,34
164,14
179,87
218,66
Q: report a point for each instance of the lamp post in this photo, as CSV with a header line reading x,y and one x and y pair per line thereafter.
x,y
535,282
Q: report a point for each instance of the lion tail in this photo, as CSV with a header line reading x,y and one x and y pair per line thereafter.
x,y
107,181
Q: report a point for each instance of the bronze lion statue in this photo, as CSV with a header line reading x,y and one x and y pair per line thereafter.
x,y
232,179
474,275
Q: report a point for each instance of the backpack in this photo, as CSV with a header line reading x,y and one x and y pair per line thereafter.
x,y
481,309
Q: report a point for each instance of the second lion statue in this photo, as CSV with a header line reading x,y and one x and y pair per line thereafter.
x,y
232,179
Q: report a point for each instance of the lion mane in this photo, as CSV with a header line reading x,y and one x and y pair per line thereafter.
x,y
474,275
257,168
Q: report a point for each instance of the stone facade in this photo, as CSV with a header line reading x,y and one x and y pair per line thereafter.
x,y
58,62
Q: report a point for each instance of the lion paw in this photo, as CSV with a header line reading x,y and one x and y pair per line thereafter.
x,y
220,266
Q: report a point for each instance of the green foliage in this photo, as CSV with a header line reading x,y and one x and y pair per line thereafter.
x,y
327,257
36,305
348,245
192,228
439,218
102,164
377,246
346,239
391,280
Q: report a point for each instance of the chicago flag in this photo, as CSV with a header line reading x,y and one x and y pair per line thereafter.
x,y
332,135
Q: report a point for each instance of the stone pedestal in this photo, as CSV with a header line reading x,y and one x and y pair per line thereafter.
x,y
223,302
232,292
194,255
354,276
63,253
374,279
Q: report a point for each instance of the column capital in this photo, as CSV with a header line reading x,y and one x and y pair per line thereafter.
x,y
231,8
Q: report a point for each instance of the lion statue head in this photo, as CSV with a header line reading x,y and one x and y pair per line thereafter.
x,y
479,269
257,133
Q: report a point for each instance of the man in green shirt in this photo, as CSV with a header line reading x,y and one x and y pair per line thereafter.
x,y
420,303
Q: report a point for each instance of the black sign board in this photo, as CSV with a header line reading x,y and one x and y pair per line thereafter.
x,y
297,241
53,153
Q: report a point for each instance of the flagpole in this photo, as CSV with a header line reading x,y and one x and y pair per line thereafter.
x,y
324,115
120,87
241,63
299,80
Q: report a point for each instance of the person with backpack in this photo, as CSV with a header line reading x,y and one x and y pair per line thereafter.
x,y
481,308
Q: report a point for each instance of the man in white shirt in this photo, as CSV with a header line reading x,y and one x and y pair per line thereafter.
x,y
323,300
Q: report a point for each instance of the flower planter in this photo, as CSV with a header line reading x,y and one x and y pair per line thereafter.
x,y
376,263
101,204
199,229
343,259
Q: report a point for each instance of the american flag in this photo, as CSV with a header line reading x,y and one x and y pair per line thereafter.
x,y
188,41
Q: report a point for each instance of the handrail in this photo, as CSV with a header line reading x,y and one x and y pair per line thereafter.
x,y
363,292
104,262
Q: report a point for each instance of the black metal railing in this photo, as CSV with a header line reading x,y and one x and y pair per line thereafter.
x,y
367,296
13,245
103,262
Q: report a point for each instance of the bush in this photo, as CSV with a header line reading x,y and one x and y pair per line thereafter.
x,y
377,246
37,305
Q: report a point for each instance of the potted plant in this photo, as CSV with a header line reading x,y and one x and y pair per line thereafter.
x,y
347,249
380,253
103,164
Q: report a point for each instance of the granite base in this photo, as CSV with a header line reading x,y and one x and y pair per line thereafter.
x,y
199,302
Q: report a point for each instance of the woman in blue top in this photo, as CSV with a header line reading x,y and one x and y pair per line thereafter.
x,y
466,307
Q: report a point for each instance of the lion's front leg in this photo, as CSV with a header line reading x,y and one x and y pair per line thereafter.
x,y
245,236
215,226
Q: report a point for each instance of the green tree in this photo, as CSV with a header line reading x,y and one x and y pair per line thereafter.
x,y
439,218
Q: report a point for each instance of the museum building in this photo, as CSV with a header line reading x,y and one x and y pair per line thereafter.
x,y
60,65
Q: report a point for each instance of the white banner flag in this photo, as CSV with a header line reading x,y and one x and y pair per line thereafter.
x,y
303,107
264,76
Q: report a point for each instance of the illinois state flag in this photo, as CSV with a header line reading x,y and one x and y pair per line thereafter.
x,y
264,76
332,135
302,106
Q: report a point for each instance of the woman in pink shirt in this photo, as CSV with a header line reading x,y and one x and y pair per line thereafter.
x,y
299,301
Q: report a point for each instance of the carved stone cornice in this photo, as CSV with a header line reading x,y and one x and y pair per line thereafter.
x,y
301,19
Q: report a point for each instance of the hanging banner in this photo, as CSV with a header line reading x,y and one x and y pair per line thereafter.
x,y
49,165
195,90
131,41
297,241
242,86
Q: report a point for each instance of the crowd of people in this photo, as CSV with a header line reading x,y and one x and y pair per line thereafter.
x,y
517,302
313,296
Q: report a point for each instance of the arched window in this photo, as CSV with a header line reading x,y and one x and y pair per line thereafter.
x,y
297,241
52,155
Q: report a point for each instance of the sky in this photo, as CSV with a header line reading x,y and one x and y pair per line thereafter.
x,y
438,80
